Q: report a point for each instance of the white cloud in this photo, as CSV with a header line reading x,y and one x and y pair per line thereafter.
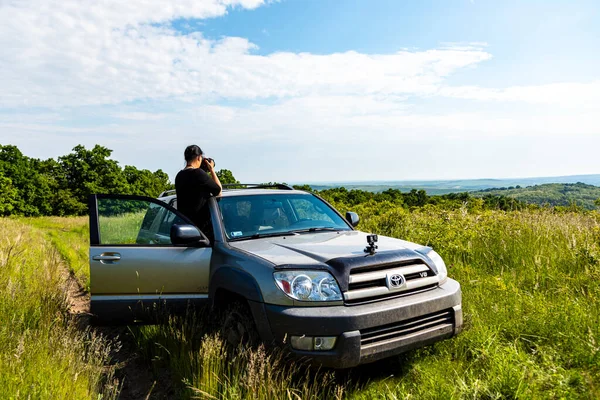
x,y
68,53
337,138
140,116
332,119
566,94
70,57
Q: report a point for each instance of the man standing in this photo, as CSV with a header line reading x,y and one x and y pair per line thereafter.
x,y
194,186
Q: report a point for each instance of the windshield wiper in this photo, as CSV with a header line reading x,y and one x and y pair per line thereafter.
x,y
264,235
294,232
318,229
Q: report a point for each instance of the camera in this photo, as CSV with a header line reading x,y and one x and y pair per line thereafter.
x,y
205,161
371,240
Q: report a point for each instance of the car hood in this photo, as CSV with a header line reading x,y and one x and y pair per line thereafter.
x,y
321,247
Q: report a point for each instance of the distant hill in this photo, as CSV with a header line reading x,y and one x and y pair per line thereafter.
x,y
553,194
455,186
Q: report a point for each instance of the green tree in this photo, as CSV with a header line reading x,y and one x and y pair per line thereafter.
x,y
416,198
61,199
84,172
33,195
306,188
32,187
8,196
597,202
226,177
144,182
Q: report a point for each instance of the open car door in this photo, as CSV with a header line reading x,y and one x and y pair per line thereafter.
x,y
135,268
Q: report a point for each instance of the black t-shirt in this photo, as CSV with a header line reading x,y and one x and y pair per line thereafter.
x,y
194,187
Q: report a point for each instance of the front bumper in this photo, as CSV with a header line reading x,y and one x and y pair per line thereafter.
x,y
369,332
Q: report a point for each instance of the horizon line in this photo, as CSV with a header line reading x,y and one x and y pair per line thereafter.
x,y
440,180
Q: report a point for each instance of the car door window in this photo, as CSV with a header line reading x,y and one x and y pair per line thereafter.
x,y
131,222
168,219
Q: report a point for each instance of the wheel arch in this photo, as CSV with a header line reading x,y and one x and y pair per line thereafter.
x,y
229,285
236,282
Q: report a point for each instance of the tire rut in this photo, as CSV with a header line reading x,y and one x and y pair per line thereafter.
x,y
134,373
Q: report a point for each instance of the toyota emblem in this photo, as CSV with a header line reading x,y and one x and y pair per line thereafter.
x,y
395,281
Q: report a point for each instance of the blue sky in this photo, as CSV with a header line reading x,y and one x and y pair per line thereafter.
x,y
305,90
525,35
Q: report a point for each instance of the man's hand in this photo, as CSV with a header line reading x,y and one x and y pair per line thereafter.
x,y
211,170
211,165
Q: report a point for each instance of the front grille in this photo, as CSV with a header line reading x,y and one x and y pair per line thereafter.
x,y
406,328
371,283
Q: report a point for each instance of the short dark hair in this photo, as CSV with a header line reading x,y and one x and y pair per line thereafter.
x,y
191,152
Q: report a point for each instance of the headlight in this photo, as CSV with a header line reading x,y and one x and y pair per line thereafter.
x,y
440,265
308,285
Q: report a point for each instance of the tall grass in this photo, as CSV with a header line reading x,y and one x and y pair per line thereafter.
x,y
531,298
70,237
206,368
42,354
121,228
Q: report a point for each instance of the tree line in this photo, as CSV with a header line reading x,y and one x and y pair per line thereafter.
x,y
416,198
553,194
33,187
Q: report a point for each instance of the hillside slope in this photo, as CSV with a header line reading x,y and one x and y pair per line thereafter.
x,y
553,194
439,187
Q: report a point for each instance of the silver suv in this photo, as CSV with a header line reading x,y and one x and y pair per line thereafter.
x,y
283,264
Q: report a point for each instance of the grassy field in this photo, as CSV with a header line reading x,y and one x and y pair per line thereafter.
x,y
69,236
42,353
531,298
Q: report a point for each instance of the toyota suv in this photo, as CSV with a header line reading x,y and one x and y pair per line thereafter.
x,y
285,267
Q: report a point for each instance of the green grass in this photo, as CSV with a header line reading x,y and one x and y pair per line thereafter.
x,y
531,300
70,237
204,368
121,228
42,354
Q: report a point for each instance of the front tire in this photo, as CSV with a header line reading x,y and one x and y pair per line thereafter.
x,y
238,328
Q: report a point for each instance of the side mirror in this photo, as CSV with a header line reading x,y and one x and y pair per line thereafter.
x,y
188,235
352,218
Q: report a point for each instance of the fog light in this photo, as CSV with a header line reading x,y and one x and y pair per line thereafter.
x,y
310,343
324,342
302,343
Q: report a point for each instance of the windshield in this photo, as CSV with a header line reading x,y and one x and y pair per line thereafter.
x,y
276,214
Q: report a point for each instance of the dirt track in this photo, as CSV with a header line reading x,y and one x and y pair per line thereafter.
x,y
135,375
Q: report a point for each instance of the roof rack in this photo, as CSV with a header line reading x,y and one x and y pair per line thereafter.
x,y
282,186
167,193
